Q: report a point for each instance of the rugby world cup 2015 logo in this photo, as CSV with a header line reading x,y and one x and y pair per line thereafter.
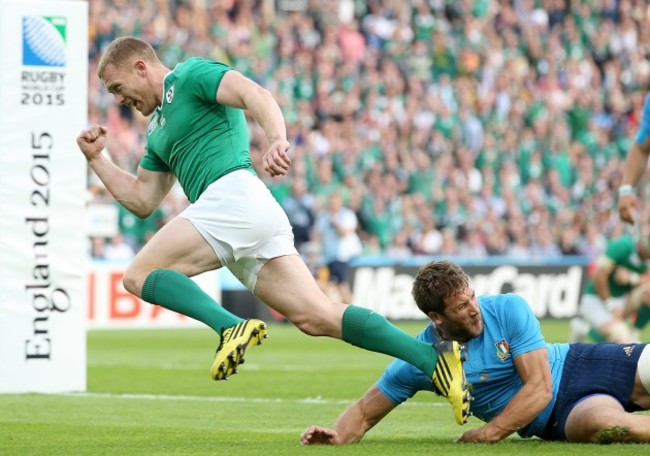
x,y
44,41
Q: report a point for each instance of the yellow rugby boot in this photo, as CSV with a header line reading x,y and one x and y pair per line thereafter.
x,y
449,378
234,342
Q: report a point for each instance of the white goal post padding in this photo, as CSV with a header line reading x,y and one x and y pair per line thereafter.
x,y
43,106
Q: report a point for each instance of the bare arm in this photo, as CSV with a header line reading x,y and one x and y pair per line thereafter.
x,y
353,423
633,168
139,194
604,267
530,400
238,91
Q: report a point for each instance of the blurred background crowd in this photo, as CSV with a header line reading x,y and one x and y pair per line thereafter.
x,y
427,127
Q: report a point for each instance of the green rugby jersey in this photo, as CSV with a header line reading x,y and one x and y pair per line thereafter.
x,y
193,136
621,251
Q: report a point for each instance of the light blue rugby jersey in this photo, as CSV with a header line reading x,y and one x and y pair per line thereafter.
x,y
510,330
644,128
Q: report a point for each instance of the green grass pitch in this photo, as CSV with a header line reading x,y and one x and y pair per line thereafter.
x,y
149,393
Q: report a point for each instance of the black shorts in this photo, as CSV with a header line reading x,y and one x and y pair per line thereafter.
x,y
591,369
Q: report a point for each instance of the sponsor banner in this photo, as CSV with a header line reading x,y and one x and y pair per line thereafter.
x,y
110,306
102,220
43,106
553,291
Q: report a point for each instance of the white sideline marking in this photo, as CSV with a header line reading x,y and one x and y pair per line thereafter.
x,y
190,367
167,397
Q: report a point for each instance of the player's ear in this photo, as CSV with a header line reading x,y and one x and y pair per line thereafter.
x,y
436,318
141,67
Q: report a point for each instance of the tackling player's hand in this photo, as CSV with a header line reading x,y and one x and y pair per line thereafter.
x,y
478,435
276,160
471,436
91,141
317,435
626,208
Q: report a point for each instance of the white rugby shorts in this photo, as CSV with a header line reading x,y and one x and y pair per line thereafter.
x,y
243,223
595,311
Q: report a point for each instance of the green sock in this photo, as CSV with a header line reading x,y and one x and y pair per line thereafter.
x,y
181,294
595,335
642,317
366,329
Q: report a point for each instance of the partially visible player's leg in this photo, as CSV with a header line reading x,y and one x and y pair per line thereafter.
x,y
641,391
637,298
286,284
160,274
641,320
604,320
637,309
578,330
606,418
602,419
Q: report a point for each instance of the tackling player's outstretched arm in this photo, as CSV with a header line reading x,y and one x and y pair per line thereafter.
x,y
140,194
535,394
635,162
353,423
634,166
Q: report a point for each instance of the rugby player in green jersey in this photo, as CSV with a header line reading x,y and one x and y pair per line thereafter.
x,y
617,294
198,135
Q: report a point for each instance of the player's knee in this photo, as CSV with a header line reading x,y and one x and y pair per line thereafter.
x,y
617,331
613,434
597,428
132,281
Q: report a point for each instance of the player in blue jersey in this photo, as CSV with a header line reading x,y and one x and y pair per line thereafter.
x,y
520,383
635,165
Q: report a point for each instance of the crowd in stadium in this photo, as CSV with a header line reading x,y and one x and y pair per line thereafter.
x,y
469,128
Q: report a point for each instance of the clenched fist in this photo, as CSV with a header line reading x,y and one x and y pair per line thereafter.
x,y
91,141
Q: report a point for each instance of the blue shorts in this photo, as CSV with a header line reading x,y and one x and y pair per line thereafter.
x,y
591,369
